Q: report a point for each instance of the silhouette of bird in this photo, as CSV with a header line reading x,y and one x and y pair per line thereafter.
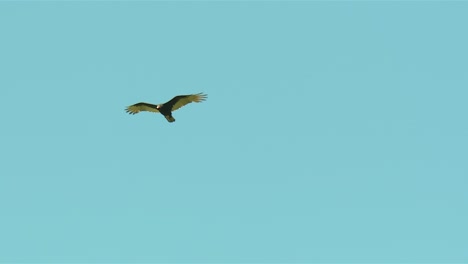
x,y
167,108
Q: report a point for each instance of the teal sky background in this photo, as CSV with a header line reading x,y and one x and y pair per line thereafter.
x,y
333,131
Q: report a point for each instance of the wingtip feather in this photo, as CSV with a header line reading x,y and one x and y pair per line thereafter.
x,y
201,97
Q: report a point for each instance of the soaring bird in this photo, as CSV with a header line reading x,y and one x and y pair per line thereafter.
x,y
167,108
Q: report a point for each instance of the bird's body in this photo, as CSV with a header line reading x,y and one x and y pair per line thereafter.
x,y
167,108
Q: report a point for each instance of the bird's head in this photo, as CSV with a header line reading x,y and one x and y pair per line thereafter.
x,y
158,106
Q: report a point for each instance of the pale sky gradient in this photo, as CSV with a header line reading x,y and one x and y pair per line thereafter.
x,y
333,131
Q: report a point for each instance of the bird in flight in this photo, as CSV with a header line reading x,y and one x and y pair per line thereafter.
x,y
167,108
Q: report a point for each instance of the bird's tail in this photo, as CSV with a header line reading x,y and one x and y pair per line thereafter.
x,y
170,118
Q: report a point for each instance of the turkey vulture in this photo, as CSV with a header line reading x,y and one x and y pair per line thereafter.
x,y
167,108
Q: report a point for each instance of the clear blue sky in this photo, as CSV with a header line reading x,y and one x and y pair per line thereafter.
x,y
333,131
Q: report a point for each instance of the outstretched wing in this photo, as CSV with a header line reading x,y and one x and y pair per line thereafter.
x,y
181,100
136,108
